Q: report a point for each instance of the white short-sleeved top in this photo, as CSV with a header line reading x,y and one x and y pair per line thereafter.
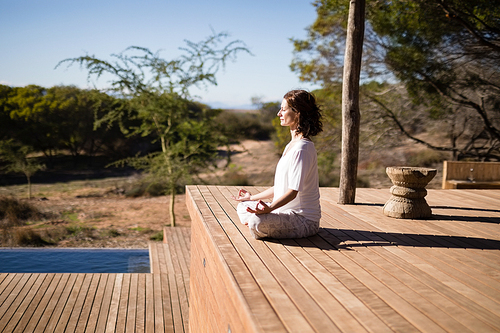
x,y
298,170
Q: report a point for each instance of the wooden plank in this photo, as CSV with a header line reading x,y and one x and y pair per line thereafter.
x,y
52,309
178,296
288,312
40,307
433,312
97,304
339,316
165,292
7,278
161,322
389,239
141,304
422,271
150,310
132,304
78,305
111,320
25,313
311,257
399,269
153,258
208,288
270,276
235,273
364,293
86,305
12,290
65,305
21,302
107,299
180,257
121,319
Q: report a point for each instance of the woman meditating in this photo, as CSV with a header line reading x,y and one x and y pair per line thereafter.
x,y
295,209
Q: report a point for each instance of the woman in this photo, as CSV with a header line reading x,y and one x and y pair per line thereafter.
x,y
295,209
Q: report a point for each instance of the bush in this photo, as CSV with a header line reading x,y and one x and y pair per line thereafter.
x,y
157,236
425,158
80,230
110,233
234,177
15,212
239,126
144,188
29,237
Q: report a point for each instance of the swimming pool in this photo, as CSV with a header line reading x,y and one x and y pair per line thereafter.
x,y
35,260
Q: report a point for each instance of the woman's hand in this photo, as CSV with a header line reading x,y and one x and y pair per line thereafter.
x,y
258,211
243,195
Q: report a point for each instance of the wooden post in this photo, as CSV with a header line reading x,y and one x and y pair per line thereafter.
x,y
350,101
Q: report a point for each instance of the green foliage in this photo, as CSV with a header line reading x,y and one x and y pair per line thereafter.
x,y
110,233
234,177
327,172
282,136
143,187
80,230
445,53
61,118
425,158
236,126
16,155
157,90
142,230
71,216
157,236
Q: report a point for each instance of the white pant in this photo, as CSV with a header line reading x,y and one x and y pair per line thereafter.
x,y
273,225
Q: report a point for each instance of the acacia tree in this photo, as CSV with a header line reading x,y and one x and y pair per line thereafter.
x,y
444,52
16,156
158,92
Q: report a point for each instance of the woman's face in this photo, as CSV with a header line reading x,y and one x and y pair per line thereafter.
x,y
287,116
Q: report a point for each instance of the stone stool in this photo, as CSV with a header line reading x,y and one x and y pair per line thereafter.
x,y
408,193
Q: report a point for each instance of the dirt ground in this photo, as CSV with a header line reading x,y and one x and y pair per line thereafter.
x,y
118,221
133,220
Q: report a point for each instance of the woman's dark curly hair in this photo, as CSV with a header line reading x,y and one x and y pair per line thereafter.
x,y
304,103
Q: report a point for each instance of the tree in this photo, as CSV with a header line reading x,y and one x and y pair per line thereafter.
x,y
444,52
6,123
16,155
350,102
158,92
33,121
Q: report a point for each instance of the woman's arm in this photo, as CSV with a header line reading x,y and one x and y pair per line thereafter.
x,y
244,195
281,201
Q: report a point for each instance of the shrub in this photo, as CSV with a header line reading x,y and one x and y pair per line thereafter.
x,y
110,233
29,237
234,177
80,230
15,212
145,188
157,236
246,125
425,158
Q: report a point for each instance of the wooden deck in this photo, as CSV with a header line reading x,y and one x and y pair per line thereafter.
x,y
363,272
155,302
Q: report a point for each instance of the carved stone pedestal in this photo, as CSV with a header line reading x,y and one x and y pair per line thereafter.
x,y
408,193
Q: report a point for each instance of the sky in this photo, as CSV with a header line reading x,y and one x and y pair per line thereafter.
x,y
35,35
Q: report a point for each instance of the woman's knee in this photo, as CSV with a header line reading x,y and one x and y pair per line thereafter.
x,y
256,227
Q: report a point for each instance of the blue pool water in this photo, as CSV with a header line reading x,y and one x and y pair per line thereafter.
x,y
74,261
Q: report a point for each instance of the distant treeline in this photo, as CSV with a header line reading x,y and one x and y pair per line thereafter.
x,y
63,120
